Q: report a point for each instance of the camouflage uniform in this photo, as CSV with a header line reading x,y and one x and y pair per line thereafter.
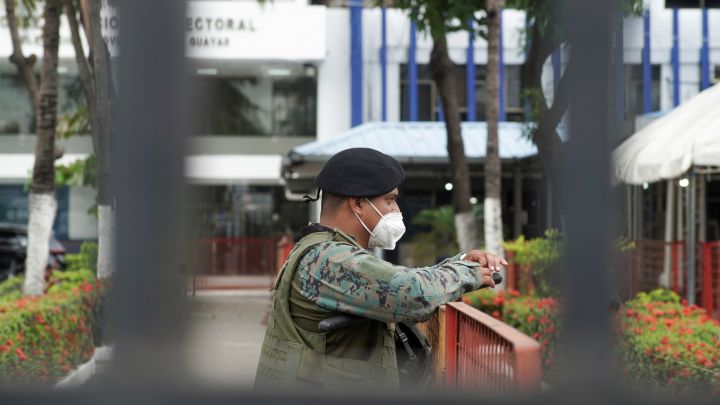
x,y
344,277
329,273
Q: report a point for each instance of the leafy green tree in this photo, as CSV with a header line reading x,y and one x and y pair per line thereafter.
x,y
44,96
440,238
546,32
439,18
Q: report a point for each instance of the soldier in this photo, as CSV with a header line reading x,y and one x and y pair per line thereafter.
x,y
330,271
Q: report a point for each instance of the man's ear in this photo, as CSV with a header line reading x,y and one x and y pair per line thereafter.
x,y
355,205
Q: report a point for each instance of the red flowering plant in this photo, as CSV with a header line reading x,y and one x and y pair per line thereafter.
x,y
668,344
44,337
536,317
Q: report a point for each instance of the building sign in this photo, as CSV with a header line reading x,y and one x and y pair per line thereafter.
x,y
214,30
248,30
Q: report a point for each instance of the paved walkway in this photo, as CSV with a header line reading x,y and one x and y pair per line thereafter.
x,y
225,334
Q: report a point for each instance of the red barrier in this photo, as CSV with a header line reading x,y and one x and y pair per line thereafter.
x,y
235,256
483,353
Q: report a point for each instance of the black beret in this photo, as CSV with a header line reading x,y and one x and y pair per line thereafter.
x,y
360,172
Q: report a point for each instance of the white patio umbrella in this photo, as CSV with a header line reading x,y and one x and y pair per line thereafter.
x,y
667,148
687,136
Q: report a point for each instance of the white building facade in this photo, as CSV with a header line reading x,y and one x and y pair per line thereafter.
x,y
274,76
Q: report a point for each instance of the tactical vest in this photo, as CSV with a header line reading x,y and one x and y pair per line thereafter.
x,y
294,357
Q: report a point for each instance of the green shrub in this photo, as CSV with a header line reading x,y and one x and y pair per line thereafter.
x,y
440,238
85,260
536,317
669,345
542,257
44,337
662,341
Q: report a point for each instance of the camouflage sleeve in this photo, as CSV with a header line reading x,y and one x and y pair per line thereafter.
x,y
344,278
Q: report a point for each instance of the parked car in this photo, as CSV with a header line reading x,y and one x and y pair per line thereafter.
x,y
13,249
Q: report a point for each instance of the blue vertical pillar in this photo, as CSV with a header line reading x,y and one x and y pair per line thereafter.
x,y
440,116
647,68
383,63
470,74
675,58
704,53
412,76
501,70
555,61
356,68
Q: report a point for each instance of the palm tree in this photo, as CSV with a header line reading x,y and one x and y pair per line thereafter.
x,y
42,202
99,94
493,170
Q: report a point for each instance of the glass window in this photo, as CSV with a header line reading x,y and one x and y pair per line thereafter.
x,y
245,211
634,90
16,114
257,105
428,94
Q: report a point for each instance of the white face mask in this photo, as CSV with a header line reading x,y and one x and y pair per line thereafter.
x,y
387,232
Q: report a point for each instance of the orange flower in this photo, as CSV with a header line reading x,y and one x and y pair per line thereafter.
x,y
21,354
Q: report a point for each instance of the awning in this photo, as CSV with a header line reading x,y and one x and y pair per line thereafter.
x,y
424,142
420,146
687,136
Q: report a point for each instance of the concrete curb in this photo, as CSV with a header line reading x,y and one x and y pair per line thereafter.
x,y
85,371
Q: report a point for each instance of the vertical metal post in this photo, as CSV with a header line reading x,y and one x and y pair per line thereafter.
x,y
691,241
587,196
356,68
501,70
412,75
148,156
470,74
647,67
451,338
383,63
707,290
675,57
704,52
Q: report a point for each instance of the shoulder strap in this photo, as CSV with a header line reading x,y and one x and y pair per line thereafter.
x,y
301,247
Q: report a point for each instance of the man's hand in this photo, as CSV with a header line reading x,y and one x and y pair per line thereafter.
x,y
487,277
486,260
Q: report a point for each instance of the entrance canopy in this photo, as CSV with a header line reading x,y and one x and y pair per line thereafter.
x,y
687,136
419,141
420,146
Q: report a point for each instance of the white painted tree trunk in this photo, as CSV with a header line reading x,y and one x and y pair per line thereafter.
x,y
494,231
106,241
466,231
42,207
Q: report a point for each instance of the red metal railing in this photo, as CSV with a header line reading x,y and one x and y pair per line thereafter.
x,y
232,263
485,354
235,256
709,262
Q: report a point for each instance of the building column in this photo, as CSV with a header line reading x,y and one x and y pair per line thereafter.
x,y
356,68
647,67
412,75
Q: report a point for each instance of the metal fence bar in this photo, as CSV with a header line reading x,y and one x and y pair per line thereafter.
x,y
484,353
451,333
148,155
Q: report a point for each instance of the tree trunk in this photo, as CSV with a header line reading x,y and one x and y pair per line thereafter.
x,y
42,189
441,68
104,96
493,168
545,135
23,64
